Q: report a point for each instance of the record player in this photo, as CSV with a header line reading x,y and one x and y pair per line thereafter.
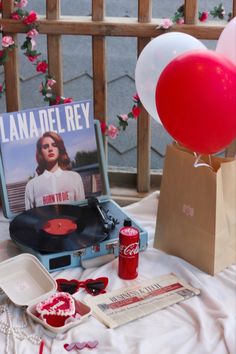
x,y
60,232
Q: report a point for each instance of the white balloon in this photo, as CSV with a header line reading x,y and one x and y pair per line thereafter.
x,y
154,58
226,43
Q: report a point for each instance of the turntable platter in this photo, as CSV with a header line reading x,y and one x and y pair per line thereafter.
x,y
58,228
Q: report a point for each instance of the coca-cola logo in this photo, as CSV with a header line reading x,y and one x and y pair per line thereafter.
x,y
129,250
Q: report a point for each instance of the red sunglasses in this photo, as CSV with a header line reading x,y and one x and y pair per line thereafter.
x,y
92,286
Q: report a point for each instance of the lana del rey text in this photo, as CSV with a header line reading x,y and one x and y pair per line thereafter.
x,y
33,123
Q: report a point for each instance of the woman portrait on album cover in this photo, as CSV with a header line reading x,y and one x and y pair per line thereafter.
x,y
55,182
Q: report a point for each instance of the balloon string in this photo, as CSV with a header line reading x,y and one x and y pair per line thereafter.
x,y
201,164
198,157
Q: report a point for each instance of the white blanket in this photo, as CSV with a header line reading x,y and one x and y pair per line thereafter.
x,y
203,324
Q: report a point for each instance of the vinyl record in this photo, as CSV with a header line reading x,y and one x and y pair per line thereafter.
x,y
58,228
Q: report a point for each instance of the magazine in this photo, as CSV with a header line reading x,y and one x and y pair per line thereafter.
x,y
124,305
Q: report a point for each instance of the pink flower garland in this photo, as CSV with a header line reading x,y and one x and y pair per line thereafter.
x,y
178,18
29,47
113,131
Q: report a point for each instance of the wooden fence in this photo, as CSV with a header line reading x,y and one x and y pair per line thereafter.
x,y
99,26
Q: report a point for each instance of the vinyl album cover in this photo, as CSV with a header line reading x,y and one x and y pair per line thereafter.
x,y
49,156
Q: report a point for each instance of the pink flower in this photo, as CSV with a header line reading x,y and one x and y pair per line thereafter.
x,y
103,127
68,100
124,117
203,16
167,23
180,21
50,83
57,100
31,18
21,4
7,41
33,58
136,111
136,97
42,67
15,16
112,131
32,33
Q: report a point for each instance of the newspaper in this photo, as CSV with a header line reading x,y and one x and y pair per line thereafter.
x,y
127,304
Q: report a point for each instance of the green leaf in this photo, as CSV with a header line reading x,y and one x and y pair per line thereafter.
x,y
4,58
22,13
24,45
34,53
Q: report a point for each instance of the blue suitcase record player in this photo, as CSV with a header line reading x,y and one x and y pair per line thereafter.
x,y
48,218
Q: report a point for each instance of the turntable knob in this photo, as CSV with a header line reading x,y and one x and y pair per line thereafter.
x,y
127,222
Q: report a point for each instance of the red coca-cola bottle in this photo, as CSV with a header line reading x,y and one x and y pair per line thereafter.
x,y
128,252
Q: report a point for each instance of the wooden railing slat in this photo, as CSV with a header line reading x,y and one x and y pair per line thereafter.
x,y
143,129
53,9
144,11
99,78
98,10
11,68
99,67
191,12
55,67
125,27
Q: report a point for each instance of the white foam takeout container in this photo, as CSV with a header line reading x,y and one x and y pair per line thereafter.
x,y
27,282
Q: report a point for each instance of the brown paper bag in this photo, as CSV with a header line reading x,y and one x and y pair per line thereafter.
x,y
196,217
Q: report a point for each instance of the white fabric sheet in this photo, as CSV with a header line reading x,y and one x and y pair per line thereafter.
x,y
203,324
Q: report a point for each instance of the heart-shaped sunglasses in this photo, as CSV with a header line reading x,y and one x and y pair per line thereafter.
x,y
92,286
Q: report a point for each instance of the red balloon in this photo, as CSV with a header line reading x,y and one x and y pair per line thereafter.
x,y
196,100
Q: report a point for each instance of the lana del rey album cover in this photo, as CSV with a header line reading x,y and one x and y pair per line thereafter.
x,y
49,156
